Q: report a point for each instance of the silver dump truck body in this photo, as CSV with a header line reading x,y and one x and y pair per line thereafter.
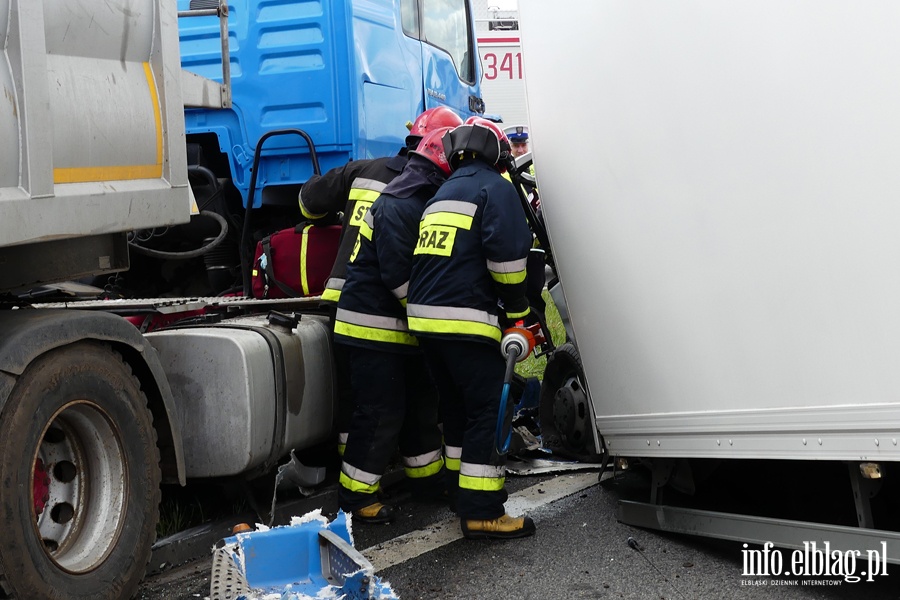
x,y
93,131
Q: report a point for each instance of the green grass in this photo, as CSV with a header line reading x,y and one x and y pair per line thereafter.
x,y
534,367
197,503
175,516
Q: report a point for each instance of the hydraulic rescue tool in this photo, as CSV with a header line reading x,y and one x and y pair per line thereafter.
x,y
515,345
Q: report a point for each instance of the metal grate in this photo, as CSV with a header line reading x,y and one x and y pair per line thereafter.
x,y
201,4
226,581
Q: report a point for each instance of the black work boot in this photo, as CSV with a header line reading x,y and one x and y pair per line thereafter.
x,y
374,513
505,527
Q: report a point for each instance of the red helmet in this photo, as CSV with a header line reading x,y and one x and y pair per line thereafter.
x,y
481,137
434,118
432,148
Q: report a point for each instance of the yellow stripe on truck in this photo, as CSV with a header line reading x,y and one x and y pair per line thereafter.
x,y
122,172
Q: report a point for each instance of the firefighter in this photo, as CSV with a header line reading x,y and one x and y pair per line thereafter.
x,y
395,398
353,188
471,258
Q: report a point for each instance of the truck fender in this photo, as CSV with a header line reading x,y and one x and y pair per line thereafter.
x,y
26,334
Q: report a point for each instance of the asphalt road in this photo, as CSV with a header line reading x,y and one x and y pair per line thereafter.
x,y
580,550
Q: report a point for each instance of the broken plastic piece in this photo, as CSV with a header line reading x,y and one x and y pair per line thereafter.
x,y
309,559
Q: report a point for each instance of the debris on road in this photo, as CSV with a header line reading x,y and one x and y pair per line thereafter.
x,y
310,559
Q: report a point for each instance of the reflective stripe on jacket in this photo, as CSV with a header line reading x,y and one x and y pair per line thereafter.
x,y
351,188
471,254
371,311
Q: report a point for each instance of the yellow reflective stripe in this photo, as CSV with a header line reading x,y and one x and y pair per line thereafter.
x,y
457,313
358,486
87,174
331,295
454,326
426,471
482,484
368,196
518,315
447,218
341,449
122,172
304,243
365,230
308,214
375,334
360,209
403,302
452,464
436,239
157,115
508,278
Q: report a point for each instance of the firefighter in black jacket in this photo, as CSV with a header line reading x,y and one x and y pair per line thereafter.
x,y
395,398
352,189
471,257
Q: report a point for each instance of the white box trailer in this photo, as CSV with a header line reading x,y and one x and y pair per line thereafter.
x,y
727,236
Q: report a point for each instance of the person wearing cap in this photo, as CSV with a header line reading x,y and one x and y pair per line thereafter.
x,y
352,188
396,400
518,142
518,139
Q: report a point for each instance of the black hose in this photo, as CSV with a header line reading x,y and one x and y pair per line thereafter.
x,y
501,440
188,253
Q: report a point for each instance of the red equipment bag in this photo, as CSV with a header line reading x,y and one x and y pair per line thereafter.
x,y
294,262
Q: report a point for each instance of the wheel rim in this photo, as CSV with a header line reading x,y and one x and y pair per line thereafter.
x,y
81,471
571,413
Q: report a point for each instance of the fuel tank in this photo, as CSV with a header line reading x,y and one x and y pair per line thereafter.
x,y
249,389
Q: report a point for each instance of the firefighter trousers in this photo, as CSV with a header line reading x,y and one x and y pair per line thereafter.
x,y
469,377
396,404
346,403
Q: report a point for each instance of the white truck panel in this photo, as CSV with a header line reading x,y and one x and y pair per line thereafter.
x,y
727,237
503,84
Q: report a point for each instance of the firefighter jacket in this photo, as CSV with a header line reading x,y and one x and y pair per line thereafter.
x,y
472,252
371,311
351,188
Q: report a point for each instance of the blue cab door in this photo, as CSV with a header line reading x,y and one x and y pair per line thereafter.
x,y
451,69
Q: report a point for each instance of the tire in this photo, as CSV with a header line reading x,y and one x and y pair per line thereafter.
x,y
566,414
79,478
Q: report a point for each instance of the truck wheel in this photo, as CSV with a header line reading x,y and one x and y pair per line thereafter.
x,y
79,478
566,414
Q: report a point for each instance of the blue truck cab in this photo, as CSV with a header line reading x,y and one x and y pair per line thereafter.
x,y
349,73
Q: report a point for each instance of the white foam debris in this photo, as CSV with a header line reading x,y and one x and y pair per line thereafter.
x,y
350,528
313,515
328,593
